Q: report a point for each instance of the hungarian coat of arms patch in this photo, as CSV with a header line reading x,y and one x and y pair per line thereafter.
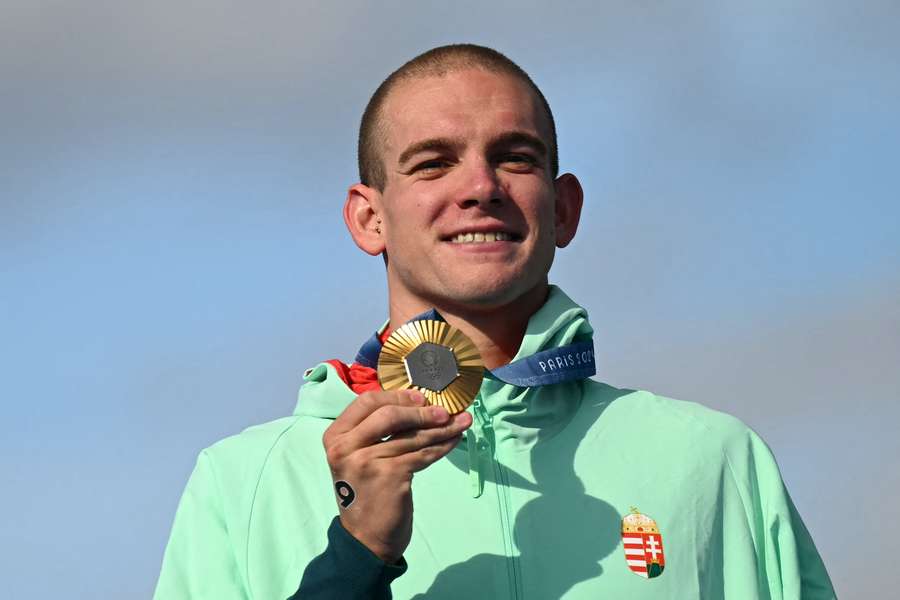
x,y
643,545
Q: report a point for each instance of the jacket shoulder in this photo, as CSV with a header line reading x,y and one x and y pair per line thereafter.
x,y
238,460
674,418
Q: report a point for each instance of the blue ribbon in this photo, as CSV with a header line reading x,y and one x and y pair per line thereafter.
x,y
557,365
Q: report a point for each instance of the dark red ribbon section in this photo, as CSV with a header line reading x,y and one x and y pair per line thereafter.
x,y
358,377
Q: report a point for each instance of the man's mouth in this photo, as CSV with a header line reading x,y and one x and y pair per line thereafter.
x,y
472,237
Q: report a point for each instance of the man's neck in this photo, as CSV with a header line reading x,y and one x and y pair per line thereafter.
x,y
497,332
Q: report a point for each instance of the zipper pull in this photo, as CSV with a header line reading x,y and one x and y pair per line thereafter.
x,y
478,446
476,481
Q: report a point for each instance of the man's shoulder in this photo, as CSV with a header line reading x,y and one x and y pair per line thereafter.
x,y
253,439
239,458
670,417
247,452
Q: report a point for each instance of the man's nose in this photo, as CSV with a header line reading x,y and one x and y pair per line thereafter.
x,y
481,185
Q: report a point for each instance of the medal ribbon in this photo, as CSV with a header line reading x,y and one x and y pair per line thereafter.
x,y
557,365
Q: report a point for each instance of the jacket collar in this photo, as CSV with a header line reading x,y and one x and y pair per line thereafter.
x,y
516,415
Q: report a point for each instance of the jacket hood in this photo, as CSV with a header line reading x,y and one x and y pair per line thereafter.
x,y
558,322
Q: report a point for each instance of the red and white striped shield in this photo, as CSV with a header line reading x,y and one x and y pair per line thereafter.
x,y
643,545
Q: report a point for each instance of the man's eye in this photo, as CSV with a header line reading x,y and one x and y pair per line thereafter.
x,y
431,165
518,161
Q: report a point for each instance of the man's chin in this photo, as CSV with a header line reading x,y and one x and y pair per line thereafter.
x,y
489,295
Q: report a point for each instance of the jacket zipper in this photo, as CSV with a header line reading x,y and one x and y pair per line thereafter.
x,y
487,443
507,522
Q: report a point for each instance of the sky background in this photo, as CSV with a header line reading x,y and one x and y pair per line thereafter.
x,y
172,255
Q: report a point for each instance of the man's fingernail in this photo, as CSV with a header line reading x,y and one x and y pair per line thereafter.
x,y
462,417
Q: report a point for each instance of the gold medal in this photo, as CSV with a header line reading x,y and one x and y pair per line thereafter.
x,y
435,358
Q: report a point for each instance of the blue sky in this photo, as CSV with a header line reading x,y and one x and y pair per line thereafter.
x,y
172,254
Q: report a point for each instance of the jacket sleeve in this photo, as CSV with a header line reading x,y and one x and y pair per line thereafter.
x,y
787,564
347,570
199,560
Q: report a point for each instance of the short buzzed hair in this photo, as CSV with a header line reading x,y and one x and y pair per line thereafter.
x,y
436,62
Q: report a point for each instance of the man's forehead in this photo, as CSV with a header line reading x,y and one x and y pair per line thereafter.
x,y
459,102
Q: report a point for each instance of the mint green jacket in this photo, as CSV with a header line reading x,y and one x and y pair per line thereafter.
x,y
528,506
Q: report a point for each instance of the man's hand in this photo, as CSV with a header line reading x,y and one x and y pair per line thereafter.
x,y
380,472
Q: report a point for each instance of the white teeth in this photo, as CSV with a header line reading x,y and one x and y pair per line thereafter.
x,y
469,238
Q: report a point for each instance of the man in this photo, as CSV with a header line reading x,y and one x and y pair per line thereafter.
x,y
553,486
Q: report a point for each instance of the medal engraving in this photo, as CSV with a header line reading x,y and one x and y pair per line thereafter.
x,y
431,366
435,358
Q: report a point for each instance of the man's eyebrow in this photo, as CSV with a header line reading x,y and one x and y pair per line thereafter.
x,y
513,138
437,144
519,138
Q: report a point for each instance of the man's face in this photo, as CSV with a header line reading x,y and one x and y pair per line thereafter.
x,y
466,161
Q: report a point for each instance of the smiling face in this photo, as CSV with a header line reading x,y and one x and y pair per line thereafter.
x,y
470,214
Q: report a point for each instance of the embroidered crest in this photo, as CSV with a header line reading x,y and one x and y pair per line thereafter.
x,y
643,545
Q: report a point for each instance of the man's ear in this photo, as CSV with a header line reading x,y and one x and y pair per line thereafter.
x,y
569,198
361,214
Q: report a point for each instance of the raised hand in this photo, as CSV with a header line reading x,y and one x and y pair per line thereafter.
x,y
373,449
